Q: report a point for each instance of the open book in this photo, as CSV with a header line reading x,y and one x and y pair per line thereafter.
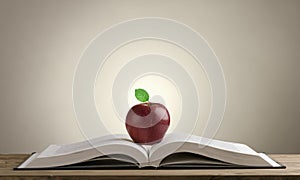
x,y
174,151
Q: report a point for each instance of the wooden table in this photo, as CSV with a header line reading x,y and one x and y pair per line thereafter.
x,y
292,162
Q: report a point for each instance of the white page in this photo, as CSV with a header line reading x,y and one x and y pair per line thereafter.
x,y
88,144
227,146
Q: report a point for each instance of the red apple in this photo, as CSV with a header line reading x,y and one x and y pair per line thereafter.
x,y
147,122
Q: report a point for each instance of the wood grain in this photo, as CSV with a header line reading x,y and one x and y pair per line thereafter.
x,y
291,161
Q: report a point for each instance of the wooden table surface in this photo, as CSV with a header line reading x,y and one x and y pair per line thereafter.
x,y
291,161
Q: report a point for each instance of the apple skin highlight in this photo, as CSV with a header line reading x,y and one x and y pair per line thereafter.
x,y
147,123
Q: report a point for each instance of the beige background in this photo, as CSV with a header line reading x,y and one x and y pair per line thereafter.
x,y
257,42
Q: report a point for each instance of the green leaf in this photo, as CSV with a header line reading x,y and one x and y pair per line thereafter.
x,y
141,95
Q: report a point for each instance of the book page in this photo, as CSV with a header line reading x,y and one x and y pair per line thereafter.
x,y
112,145
180,139
111,148
227,146
189,158
229,152
55,150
